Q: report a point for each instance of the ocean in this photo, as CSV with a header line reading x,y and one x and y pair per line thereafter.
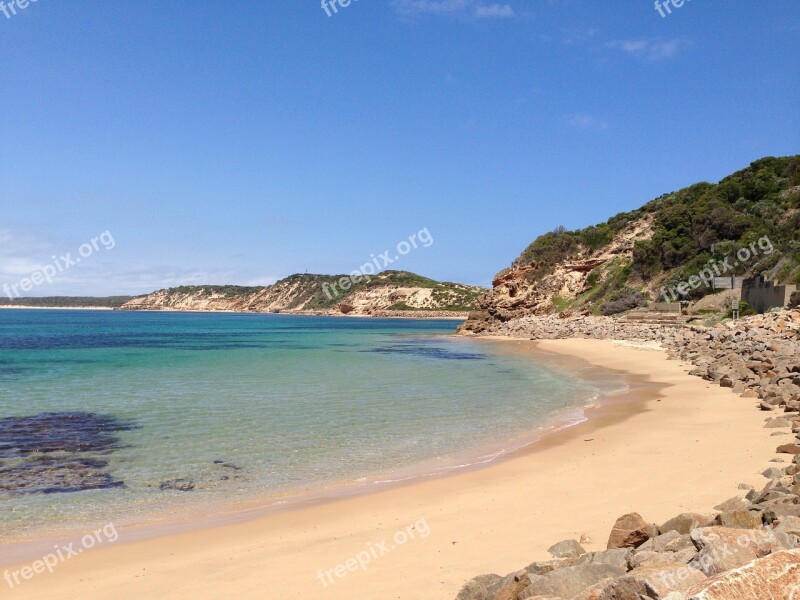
x,y
131,416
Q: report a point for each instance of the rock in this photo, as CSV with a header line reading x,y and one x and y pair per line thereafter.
x,y
546,566
671,541
788,524
651,557
660,580
585,539
570,581
614,590
735,503
774,422
722,548
617,558
788,449
739,519
630,531
473,590
181,485
510,586
566,549
776,576
686,522
478,588
60,452
776,512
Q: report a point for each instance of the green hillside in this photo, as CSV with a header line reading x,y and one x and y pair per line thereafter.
x,y
701,223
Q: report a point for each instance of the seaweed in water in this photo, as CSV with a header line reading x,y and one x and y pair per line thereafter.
x,y
58,452
426,352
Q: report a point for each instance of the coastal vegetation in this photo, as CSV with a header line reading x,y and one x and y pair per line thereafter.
x,y
335,294
630,259
68,301
695,225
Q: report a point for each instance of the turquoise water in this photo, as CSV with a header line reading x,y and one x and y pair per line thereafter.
x,y
139,413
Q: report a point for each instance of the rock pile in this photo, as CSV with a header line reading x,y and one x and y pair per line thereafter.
x,y
750,547
758,357
749,550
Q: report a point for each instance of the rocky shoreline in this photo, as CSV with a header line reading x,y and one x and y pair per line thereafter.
x,y
749,547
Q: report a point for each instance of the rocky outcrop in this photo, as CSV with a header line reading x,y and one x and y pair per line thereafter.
x,y
524,289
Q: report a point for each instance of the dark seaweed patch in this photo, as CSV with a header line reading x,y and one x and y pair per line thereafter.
x,y
426,351
58,452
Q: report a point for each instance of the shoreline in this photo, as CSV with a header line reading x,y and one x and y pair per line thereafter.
x,y
200,515
421,315
56,307
483,510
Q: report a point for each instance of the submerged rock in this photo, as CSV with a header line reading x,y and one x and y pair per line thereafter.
x,y
59,432
181,485
62,452
51,475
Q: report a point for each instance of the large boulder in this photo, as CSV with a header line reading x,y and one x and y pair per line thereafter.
x,y
669,541
788,449
651,558
510,586
776,576
660,580
686,522
478,588
723,548
543,567
735,503
570,581
616,558
630,531
739,519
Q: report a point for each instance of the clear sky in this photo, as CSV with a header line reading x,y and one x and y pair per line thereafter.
x,y
240,142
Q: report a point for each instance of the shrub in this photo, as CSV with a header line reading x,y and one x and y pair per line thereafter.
x,y
744,310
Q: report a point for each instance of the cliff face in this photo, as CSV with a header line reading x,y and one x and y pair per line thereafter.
x,y
523,289
390,293
747,224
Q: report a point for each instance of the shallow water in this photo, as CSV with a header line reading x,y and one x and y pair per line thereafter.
x,y
109,415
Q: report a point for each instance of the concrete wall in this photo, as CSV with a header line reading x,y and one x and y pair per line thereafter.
x,y
762,294
728,283
671,307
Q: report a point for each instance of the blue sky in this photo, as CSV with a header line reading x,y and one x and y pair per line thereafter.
x,y
240,142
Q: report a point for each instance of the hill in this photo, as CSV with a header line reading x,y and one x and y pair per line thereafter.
x,y
747,224
390,293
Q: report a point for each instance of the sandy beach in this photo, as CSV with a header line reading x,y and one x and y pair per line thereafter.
x,y
675,443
